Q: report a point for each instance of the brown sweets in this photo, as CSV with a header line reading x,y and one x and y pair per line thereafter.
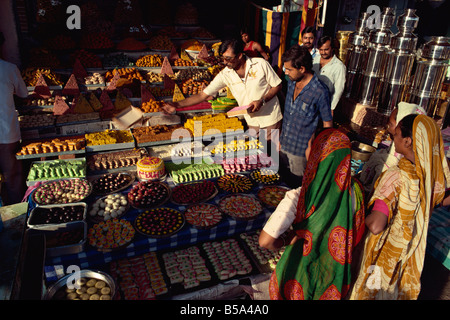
x,y
55,145
154,133
114,160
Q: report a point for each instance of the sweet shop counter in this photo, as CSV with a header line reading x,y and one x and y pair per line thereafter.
x,y
231,220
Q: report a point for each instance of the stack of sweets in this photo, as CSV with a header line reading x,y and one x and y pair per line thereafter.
x,y
139,278
234,183
108,137
227,258
264,256
57,169
194,172
110,234
186,266
241,164
203,215
209,124
240,206
236,145
265,176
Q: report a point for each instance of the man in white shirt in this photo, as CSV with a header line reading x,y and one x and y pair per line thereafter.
x,y
11,83
330,70
252,81
308,37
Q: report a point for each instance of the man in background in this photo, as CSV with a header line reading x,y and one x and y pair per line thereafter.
x,y
308,38
330,70
11,83
307,107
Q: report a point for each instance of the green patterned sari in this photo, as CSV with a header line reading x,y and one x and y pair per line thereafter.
x,y
329,224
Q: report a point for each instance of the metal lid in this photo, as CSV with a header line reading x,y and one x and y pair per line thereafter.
x,y
387,18
406,42
408,20
438,48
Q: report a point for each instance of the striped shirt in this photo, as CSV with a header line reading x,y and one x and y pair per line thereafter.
x,y
302,116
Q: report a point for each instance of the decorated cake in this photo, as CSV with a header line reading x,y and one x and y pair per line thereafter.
x,y
150,168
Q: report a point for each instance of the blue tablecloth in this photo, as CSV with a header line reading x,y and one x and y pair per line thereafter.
x,y
438,241
91,258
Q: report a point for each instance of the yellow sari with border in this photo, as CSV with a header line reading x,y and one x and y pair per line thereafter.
x,y
392,260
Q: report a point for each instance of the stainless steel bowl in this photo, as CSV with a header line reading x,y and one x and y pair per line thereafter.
x,y
100,275
361,151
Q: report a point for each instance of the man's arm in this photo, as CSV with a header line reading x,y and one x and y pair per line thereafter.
x,y
171,107
255,106
328,124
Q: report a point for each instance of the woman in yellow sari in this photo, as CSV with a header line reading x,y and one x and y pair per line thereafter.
x,y
404,198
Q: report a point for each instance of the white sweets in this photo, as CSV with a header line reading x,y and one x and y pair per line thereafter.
x,y
109,207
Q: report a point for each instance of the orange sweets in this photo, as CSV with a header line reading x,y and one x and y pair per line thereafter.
x,y
126,73
152,106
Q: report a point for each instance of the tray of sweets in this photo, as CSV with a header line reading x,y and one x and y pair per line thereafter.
x,y
62,191
186,270
46,216
149,194
264,259
203,215
108,207
159,222
140,277
63,239
272,195
265,176
235,183
193,192
240,206
112,183
111,235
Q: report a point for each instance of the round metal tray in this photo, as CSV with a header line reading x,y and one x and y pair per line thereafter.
x,y
131,178
213,207
126,244
235,216
53,181
215,192
100,275
155,204
142,215
97,218
254,172
263,189
234,175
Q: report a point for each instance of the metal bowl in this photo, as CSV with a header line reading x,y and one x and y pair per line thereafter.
x,y
53,289
361,151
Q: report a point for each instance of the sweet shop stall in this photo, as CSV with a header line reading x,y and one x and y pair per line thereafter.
x,y
141,204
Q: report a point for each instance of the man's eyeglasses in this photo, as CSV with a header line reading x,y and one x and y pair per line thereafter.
x,y
228,58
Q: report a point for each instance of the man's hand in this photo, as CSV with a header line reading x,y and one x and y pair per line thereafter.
x,y
169,107
255,106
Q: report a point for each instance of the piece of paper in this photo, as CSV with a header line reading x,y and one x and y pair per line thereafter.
x,y
127,117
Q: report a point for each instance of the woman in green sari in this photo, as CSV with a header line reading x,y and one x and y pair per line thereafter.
x,y
327,219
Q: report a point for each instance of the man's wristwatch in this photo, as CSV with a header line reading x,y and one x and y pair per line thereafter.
x,y
263,101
